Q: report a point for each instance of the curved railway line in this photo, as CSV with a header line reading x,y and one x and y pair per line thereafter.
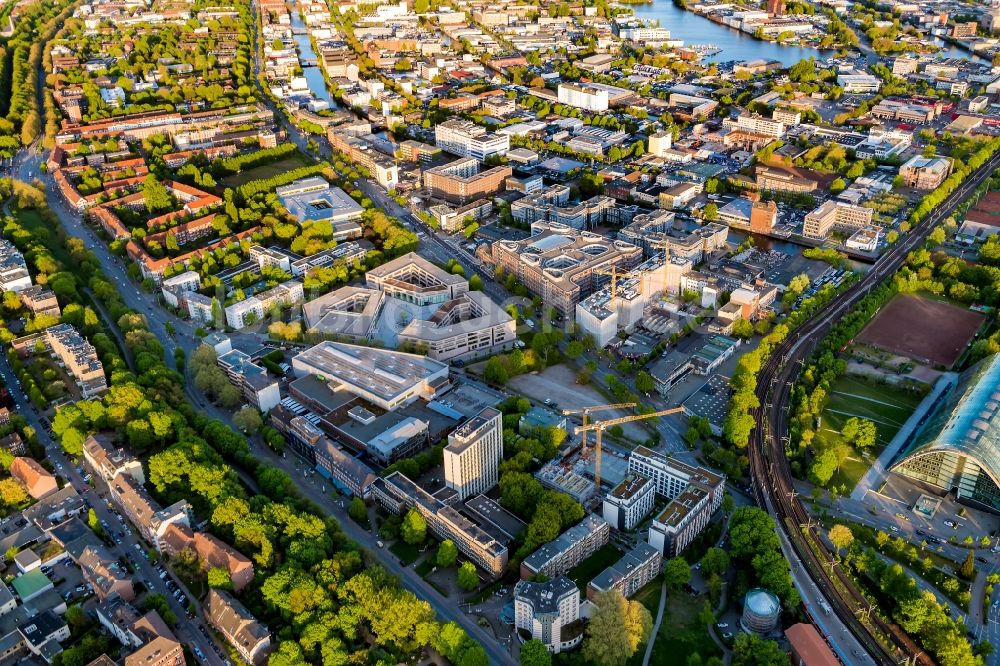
x,y
771,475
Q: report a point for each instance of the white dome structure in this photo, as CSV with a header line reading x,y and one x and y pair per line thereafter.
x,y
761,611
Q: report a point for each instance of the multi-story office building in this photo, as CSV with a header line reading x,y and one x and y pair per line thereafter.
x,y
413,279
925,173
382,167
261,390
837,214
568,549
582,96
660,232
561,264
629,574
629,502
859,83
552,205
463,180
472,457
694,493
80,358
467,139
549,612
478,538
622,305
755,124
387,379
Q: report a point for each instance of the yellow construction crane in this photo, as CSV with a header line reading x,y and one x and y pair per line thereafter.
x,y
599,427
613,272
587,411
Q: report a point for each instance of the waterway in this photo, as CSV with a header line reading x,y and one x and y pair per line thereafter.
x,y
736,45
313,75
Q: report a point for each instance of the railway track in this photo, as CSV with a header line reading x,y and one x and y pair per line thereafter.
x,y
885,642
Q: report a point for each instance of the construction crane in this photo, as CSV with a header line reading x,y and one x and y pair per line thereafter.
x,y
587,411
600,426
613,272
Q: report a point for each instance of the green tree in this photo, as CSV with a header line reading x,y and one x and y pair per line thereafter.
x,y
358,511
155,195
838,186
219,579
447,554
715,561
752,650
414,527
968,568
616,629
574,349
468,579
711,212
676,572
476,282
743,328
248,420
534,653
644,382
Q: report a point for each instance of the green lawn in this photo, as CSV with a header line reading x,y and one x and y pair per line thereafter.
x,y
584,572
405,552
294,161
885,406
680,635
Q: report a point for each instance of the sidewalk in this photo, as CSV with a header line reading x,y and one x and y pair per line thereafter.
x,y
877,472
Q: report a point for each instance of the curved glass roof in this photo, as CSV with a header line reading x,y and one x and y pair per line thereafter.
x,y
968,420
762,602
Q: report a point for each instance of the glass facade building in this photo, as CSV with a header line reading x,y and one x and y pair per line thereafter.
x,y
958,450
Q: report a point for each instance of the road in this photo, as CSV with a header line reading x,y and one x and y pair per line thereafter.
x,y
773,483
187,629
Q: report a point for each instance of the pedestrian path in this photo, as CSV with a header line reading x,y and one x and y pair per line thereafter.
x,y
656,624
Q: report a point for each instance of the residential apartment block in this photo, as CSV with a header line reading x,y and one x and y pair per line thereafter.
x,y
694,493
251,639
253,309
628,503
259,388
144,512
40,300
567,550
478,538
79,357
549,612
630,574
14,275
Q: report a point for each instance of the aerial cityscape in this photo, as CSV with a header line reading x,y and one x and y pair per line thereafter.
x,y
607,332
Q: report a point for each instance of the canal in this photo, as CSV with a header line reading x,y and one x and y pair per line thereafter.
x,y
313,75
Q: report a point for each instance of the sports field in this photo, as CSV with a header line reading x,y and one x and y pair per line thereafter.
x,y
265,171
887,407
925,330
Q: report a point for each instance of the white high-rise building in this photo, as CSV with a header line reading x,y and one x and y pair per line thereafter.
x,y
467,139
660,143
583,96
472,457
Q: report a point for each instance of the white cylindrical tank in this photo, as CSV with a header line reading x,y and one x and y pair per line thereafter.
x,y
761,611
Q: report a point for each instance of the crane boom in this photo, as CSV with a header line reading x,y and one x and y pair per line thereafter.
x,y
599,427
598,408
586,416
